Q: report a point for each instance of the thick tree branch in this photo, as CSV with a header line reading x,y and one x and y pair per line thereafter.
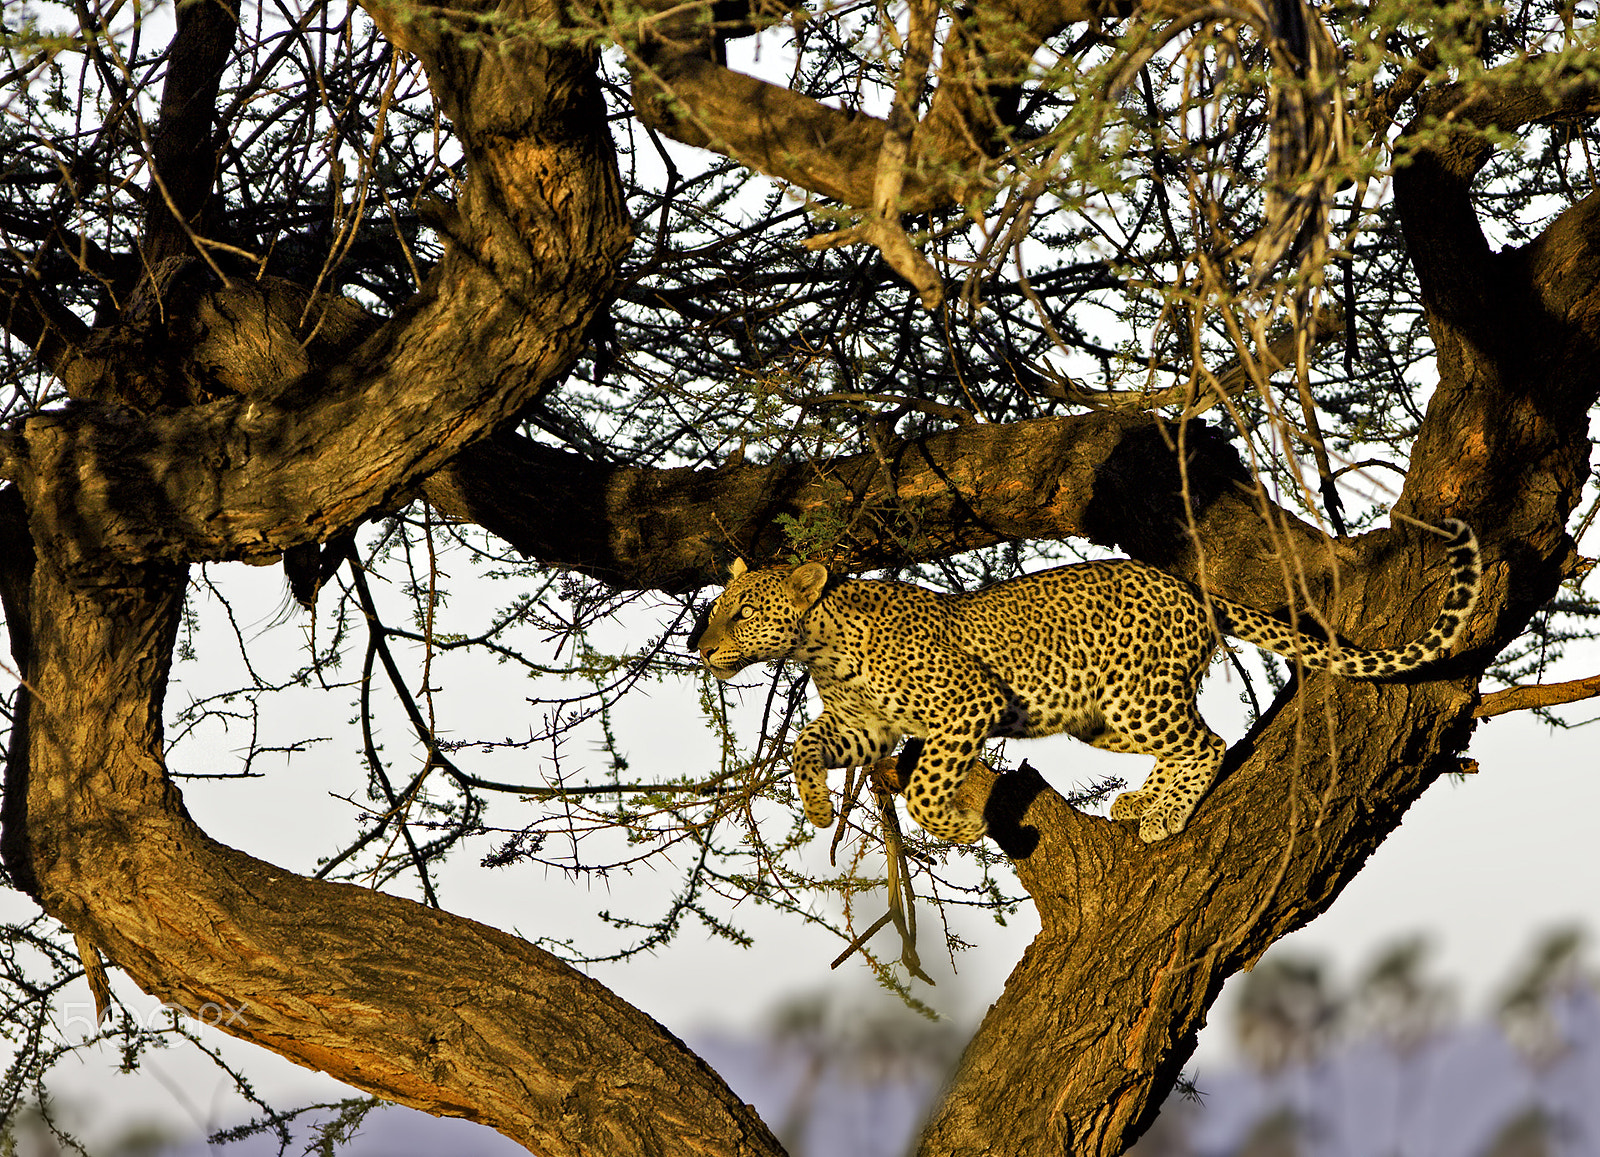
x,y
189,339
1113,478
1314,788
1505,98
535,245
830,152
1324,777
182,153
425,1009
1160,927
428,1009
16,601
1505,403
1447,145
456,1018
683,91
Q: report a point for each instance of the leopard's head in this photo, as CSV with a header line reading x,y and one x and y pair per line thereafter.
x,y
757,616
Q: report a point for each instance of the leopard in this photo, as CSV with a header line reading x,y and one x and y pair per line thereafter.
x,y
1110,651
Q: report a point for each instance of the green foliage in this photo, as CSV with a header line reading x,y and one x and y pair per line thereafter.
x,y
814,535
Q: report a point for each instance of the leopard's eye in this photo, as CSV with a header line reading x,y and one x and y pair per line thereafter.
x,y
744,612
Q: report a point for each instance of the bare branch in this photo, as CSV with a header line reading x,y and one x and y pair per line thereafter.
x,y
1448,144
1111,477
681,91
34,317
1537,695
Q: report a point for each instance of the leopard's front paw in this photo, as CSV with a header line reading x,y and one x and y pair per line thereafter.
x,y
1130,805
820,814
814,797
1162,820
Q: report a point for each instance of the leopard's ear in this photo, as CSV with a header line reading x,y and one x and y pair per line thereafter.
x,y
736,569
806,583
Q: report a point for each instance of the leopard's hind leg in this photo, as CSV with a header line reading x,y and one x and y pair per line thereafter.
x,y
1174,788
1158,717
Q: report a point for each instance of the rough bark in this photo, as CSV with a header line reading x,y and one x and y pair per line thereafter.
x,y
1113,478
422,1007
183,151
536,238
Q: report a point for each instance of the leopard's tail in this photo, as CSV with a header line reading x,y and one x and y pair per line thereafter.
x,y
1268,633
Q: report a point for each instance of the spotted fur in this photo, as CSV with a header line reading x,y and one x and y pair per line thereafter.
x,y
1111,652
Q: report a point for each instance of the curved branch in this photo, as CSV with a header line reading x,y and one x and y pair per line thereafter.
x,y
1320,782
1113,478
39,321
685,92
1497,409
831,152
1443,148
428,1009
1306,798
421,1007
1323,778
535,244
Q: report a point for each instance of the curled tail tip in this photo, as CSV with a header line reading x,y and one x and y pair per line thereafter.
x,y
1462,550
